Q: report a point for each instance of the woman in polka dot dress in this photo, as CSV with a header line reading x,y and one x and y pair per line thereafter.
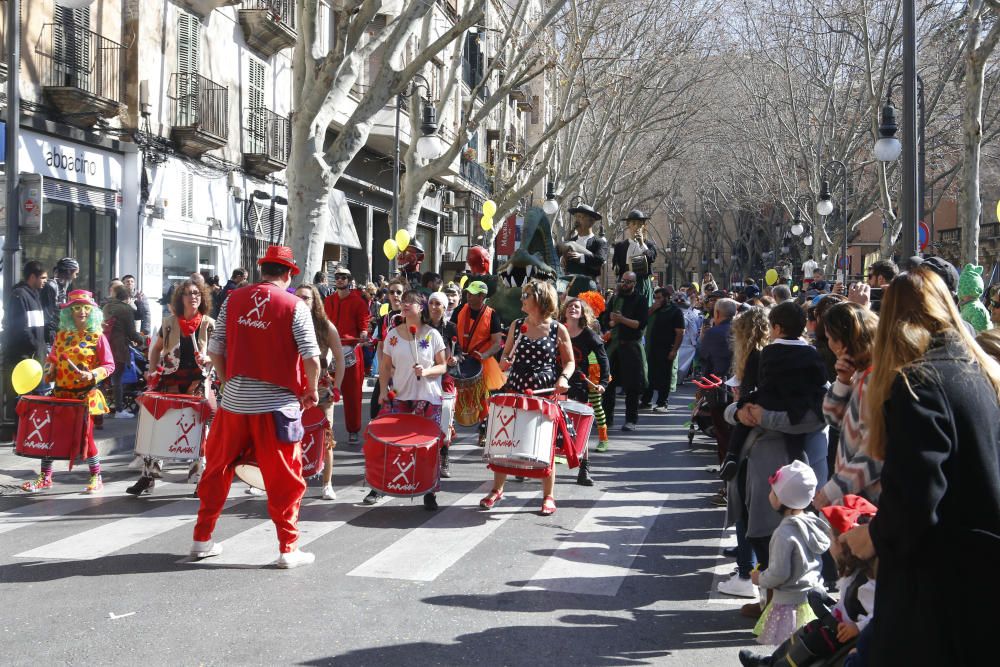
x,y
543,360
80,359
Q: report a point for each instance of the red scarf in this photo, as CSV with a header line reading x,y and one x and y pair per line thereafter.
x,y
188,327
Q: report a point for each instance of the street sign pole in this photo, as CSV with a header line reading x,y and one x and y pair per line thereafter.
x,y
12,239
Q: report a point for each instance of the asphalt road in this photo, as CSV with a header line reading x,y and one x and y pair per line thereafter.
x,y
622,574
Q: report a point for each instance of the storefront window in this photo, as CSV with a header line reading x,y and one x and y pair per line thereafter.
x,y
82,232
182,258
427,239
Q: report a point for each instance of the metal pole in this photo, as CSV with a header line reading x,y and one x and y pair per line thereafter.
x,y
395,173
847,263
12,240
922,155
909,205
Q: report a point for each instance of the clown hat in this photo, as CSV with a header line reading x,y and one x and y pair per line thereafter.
x,y
280,254
79,297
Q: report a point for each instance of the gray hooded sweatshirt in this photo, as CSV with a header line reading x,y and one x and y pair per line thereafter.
x,y
794,562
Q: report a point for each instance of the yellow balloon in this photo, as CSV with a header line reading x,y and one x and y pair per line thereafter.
x,y
390,249
26,376
383,310
489,208
998,210
795,289
486,222
696,287
461,283
771,276
402,239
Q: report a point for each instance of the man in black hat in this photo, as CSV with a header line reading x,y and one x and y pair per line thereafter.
x,y
584,253
636,253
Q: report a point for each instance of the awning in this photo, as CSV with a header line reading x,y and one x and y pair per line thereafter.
x,y
341,230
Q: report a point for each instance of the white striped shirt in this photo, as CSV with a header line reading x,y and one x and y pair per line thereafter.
x,y
249,396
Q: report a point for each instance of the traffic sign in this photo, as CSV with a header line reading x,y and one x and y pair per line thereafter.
x,y
923,235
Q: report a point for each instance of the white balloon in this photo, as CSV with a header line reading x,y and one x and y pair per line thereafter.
x,y
74,4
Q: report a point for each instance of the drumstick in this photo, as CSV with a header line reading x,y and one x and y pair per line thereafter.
x,y
536,392
587,379
413,341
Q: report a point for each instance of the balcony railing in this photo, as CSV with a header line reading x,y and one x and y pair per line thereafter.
x,y
71,60
266,141
990,231
475,174
950,235
268,25
200,103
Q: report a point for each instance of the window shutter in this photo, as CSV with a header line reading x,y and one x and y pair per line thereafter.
x,y
188,66
71,44
257,119
187,195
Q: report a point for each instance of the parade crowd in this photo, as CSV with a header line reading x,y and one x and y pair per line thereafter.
x,y
857,427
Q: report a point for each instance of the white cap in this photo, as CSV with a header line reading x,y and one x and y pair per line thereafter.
x,y
794,485
440,297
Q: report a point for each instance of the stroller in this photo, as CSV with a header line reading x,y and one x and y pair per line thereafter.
x,y
711,390
133,381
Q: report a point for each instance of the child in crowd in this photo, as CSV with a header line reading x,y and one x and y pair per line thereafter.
x,y
794,555
791,379
839,623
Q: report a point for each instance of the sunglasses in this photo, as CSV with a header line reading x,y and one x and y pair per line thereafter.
x,y
628,282
80,309
305,297
341,277
396,292
193,294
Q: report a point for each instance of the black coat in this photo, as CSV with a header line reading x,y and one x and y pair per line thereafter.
x,y
592,262
937,532
23,326
619,259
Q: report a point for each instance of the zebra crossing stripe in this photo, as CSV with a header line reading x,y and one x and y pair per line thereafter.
x,y
258,546
592,567
50,509
426,552
117,535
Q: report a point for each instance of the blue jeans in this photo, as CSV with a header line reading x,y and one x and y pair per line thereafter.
x,y
745,560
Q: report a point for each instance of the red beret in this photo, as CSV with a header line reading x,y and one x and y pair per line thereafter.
x,y
844,517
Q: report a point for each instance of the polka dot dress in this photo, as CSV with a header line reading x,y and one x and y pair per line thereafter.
x,y
81,349
534,361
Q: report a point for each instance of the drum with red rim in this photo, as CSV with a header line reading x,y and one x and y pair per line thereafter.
x,y
582,417
53,428
402,455
171,426
315,424
520,434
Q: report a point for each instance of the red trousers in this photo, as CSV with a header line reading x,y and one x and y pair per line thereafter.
x,y
354,378
280,465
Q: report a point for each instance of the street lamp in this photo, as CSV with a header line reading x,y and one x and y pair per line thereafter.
x,y
429,146
888,148
824,206
551,205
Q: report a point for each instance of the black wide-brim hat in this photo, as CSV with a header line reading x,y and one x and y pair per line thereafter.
x,y
635,214
586,210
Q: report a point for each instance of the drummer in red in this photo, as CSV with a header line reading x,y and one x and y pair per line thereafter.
x,y
265,352
480,336
348,311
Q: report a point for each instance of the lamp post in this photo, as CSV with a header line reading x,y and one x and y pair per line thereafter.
x,y
909,206
428,145
676,248
551,205
888,149
824,206
12,238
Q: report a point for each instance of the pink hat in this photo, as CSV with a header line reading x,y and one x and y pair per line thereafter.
x,y
79,297
280,254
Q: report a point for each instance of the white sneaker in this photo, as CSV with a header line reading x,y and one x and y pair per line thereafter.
x,y
287,561
738,587
329,493
254,491
136,463
124,414
205,549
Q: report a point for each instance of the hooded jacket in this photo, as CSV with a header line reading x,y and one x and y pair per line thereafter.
x,y
24,325
794,558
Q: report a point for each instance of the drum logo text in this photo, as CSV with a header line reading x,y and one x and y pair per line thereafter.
x,y
35,439
185,427
255,316
402,482
501,436
307,445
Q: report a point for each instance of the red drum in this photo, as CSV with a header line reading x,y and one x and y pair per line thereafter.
x,y
52,428
520,434
313,442
582,416
402,455
171,426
